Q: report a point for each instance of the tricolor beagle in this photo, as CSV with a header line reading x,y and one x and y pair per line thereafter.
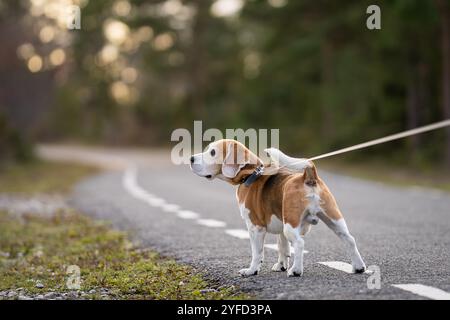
x,y
284,198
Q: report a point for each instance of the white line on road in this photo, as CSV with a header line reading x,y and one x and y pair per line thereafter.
x,y
238,233
155,202
130,184
341,266
211,223
274,246
424,291
187,214
169,207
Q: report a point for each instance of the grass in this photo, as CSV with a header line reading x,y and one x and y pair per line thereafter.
x,y
39,250
403,176
42,177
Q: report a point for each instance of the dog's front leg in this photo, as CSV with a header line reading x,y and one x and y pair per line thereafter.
x,y
257,235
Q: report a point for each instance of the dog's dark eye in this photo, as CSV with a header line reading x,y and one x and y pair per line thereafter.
x,y
213,153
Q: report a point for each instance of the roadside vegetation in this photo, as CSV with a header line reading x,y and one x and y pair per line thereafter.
x,y
37,177
36,250
36,253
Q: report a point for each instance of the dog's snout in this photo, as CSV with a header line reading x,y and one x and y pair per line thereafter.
x,y
192,159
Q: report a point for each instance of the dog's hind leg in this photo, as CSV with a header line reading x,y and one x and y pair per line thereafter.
x,y
295,238
340,228
333,218
284,253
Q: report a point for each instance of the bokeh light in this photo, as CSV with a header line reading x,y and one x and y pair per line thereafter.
x,y
35,63
57,57
163,41
225,8
47,34
277,3
115,31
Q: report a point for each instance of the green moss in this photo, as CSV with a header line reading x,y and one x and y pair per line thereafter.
x,y
41,177
34,248
40,249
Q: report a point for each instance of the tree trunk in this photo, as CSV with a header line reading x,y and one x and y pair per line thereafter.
x,y
412,111
444,9
416,96
197,61
327,78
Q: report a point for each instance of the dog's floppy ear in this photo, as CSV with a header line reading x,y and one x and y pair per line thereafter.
x,y
233,161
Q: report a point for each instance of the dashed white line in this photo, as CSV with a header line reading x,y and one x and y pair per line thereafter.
x,y
169,207
238,233
155,201
274,246
187,214
211,223
130,184
424,291
342,266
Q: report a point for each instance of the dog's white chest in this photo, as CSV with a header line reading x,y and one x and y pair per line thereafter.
x,y
275,225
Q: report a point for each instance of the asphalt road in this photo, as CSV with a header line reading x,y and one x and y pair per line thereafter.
x,y
403,231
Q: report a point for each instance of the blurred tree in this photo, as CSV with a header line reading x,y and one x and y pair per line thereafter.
x,y
17,89
138,69
444,9
13,146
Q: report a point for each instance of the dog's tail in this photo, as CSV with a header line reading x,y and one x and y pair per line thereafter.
x,y
310,175
283,160
310,179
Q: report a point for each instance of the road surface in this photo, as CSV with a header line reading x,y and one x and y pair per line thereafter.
x,y
405,232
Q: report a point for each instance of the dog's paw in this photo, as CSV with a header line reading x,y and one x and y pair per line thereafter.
x,y
294,272
246,272
277,267
359,270
359,267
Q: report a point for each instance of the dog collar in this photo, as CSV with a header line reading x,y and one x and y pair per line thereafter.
x,y
254,176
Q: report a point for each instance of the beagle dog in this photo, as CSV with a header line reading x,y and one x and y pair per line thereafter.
x,y
284,197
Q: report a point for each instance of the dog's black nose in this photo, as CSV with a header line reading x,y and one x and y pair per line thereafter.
x,y
192,159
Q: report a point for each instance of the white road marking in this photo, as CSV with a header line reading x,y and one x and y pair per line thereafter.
x,y
274,246
238,233
155,202
341,266
169,207
424,291
187,214
130,183
211,223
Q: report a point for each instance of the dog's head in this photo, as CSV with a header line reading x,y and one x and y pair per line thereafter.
x,y
225,159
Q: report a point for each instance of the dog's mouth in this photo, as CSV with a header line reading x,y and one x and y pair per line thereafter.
x,y
209,177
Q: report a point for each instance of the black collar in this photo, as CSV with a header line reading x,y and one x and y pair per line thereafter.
x,y
254,176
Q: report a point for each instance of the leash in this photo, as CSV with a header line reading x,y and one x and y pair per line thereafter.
x,y
404,134
400,135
